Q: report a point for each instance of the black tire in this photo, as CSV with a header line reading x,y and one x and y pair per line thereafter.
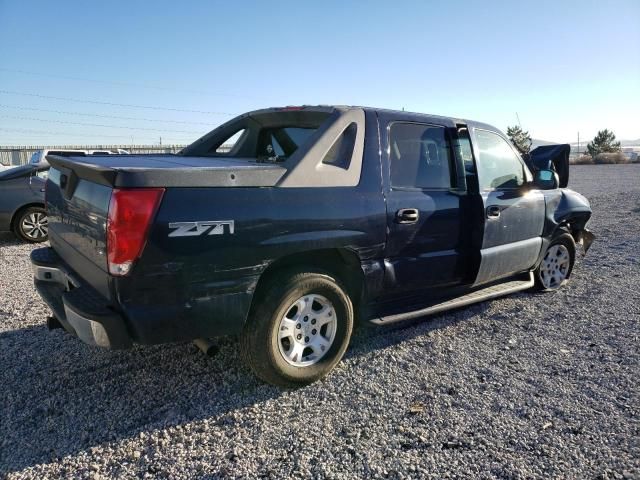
x,y
541,274
260,340
31,225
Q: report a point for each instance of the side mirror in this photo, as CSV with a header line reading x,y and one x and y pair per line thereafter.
x,y
546,179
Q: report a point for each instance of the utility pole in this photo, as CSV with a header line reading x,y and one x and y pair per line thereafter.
x,y
578,143
160,140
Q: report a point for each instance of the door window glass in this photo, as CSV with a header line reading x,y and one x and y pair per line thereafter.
x,y
465,150
498,166
420,156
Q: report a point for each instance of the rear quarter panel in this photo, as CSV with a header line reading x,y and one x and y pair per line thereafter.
x,y
202,285
207,281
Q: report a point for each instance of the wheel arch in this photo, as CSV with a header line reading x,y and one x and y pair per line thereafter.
x,y
343,263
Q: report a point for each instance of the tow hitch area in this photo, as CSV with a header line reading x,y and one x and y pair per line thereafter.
x,y
585,238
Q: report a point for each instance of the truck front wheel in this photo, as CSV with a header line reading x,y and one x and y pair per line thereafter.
x,y
557,263
298,329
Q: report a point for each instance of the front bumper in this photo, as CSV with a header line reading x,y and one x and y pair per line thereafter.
x,y
81,310
585,238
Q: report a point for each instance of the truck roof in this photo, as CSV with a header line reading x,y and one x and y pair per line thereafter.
x,y
409,114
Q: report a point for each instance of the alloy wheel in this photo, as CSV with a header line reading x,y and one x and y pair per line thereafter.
x,y
35,226
307,330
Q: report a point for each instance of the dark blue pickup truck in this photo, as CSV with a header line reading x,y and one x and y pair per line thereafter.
x,y
285,225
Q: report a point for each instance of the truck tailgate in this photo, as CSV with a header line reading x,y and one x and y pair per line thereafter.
x,y
77,210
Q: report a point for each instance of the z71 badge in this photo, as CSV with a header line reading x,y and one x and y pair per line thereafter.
x,y
192,229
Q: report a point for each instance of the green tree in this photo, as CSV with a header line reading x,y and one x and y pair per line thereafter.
x,y
603,142
520,139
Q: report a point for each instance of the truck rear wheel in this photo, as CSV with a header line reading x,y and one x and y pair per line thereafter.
x,y
299,329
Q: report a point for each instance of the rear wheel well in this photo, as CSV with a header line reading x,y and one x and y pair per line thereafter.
x,y
343,264
19,211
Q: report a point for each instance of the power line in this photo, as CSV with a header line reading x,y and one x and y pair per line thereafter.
x,y
48,132
124,84
100,125
62,112
96,102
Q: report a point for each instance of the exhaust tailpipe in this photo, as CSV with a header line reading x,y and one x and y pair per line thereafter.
x,y
208,347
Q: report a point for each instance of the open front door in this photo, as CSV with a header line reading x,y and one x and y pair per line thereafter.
x,y
513,213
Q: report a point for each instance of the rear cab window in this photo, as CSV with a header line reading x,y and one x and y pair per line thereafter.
x,y
271,136
279,143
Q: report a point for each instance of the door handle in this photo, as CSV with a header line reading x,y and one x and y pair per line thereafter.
x,y
407,215
493,211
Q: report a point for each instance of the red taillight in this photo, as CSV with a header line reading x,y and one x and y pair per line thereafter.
x,y
130,215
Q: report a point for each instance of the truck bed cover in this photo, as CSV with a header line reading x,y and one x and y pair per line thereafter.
x,y
123,171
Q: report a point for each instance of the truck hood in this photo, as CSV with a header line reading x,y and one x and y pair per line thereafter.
x,y
122,171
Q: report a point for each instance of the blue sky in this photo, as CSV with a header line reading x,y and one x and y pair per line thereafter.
x,y
564,66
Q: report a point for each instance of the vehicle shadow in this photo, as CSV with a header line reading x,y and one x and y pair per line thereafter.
x,y
8,239
61,397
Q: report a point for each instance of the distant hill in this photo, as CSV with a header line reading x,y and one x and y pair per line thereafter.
x,y
536,142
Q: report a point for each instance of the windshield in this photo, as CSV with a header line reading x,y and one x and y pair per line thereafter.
x,y
35,158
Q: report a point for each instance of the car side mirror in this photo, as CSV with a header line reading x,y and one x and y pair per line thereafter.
x,y
546,180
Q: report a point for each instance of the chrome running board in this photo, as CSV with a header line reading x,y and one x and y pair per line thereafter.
x,y
474,297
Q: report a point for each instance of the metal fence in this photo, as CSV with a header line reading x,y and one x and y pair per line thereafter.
x,y
19,155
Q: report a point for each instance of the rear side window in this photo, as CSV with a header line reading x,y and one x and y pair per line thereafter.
x,y
499,168
340,153
420,156
227,145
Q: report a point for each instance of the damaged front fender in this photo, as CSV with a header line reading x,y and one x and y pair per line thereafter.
x,y
571,211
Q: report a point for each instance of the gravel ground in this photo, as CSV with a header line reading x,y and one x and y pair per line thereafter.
x,y
528,386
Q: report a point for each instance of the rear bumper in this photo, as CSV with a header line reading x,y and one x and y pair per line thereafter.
x,y
81,310
151,309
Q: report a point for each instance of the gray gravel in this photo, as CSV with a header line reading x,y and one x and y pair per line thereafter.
x,y
532,385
